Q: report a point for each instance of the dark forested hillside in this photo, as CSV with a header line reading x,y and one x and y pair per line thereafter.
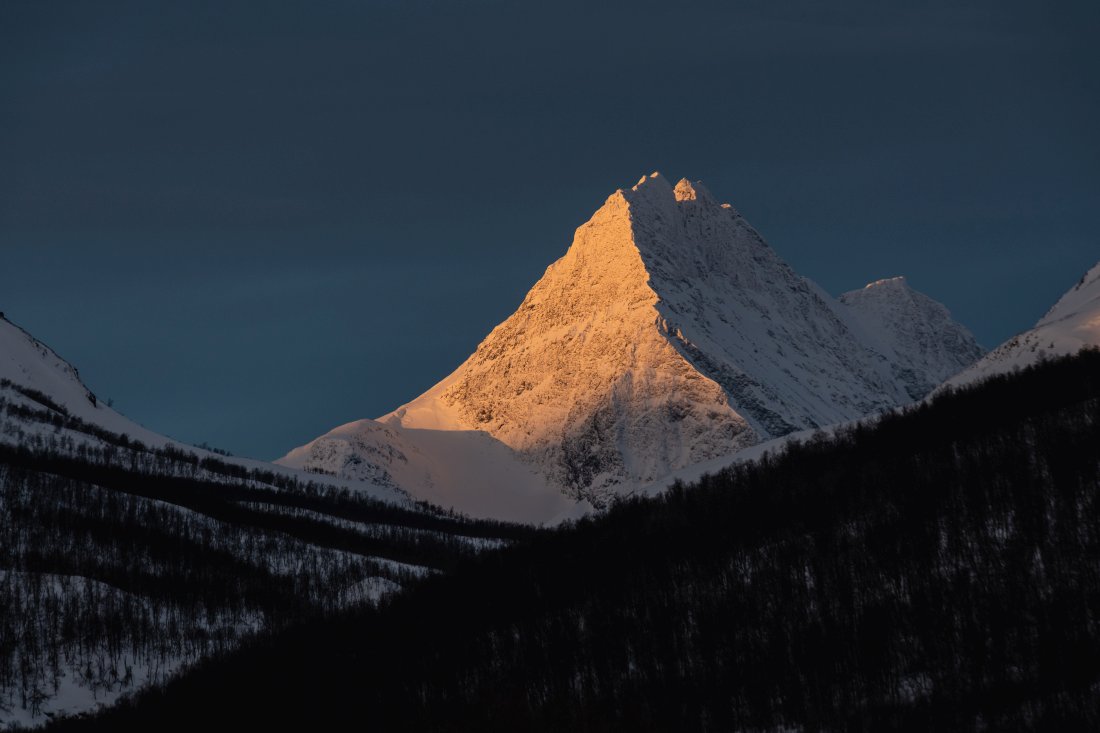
x,y
122,563
939,570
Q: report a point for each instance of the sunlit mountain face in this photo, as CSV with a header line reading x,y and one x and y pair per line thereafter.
x,y
668,334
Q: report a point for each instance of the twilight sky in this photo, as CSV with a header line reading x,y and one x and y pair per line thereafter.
x,y
249,222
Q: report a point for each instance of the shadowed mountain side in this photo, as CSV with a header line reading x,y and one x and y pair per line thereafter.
x,y
670,334
932,571
467,470
1071,324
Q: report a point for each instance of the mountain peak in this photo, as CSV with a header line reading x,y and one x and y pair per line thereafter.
x,y
1079,296
915,333
1071,325
656,186
654,180
666,304
669,333
650,192
29,364
655,193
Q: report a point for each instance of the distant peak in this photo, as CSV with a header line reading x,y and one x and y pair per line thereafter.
x,y
649,193
656,188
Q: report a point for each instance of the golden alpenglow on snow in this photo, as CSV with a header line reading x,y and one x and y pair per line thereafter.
x,y
668,334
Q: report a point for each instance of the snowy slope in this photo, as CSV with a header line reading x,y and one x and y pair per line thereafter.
x,y
915,334
668,334
1072,324
26,361
333,549
465,470
29,364
745,319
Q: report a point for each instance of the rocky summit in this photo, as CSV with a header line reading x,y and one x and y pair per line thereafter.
x,y
668,334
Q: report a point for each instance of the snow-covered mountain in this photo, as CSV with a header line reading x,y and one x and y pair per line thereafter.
x,y
913,332
34,376
466,470
1071,325
155,554
668,334
27,362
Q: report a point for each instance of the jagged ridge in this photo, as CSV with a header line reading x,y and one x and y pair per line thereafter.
x,y
668,334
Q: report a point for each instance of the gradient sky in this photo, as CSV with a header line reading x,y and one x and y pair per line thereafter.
x,y
250,222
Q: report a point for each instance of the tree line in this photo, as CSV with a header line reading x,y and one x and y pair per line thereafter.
x,y
936,569
120,562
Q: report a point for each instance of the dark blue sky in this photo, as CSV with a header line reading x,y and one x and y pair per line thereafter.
x,y
250,222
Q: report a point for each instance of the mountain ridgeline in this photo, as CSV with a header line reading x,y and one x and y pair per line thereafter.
x,y
126,556
1071,324
121,563
670,333
930,570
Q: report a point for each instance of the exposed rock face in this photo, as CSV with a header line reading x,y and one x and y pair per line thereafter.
x,y
668,334
584,379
